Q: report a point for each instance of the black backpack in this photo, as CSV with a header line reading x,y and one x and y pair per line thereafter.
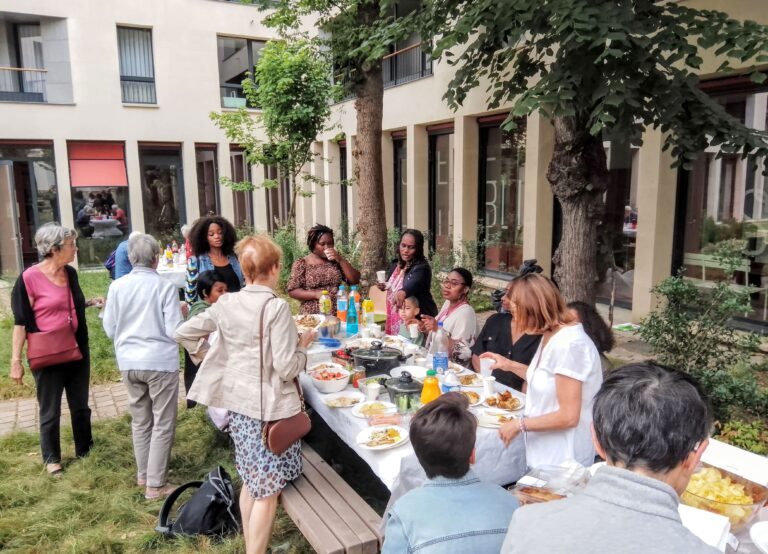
x,y
212,510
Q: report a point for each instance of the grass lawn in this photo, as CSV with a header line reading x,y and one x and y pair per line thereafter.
x,y
96,507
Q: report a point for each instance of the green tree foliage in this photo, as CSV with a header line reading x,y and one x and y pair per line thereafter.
x,y
595,65
292,88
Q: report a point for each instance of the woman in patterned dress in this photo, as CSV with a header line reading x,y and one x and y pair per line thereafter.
x,y
232,377
324,268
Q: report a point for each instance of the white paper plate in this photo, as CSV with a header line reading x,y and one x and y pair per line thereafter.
x,y
345,393
318,317
416,371
477,384
357,409
759,535
365,435
480,398
522,405
488,417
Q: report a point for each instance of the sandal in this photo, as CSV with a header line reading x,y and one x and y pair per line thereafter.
x,y
153,493
54,470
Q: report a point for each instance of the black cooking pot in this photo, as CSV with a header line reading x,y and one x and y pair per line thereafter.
x,y
377,359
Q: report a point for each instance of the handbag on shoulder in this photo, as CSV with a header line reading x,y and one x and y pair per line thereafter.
x,y
59,346
279,435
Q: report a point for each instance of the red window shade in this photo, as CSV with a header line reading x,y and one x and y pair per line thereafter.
x,y
97,164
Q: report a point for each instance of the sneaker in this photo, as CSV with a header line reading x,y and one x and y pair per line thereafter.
x,y
153,493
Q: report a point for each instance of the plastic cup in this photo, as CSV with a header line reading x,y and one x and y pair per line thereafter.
x,y
485,366
489,386
413,329
372,391
381,276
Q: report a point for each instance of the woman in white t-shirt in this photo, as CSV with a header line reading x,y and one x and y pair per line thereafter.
x,y
563,377
457,315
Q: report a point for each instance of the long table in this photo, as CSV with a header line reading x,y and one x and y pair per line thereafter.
x,y
398,468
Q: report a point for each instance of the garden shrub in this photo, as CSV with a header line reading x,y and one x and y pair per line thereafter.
x,y
752,436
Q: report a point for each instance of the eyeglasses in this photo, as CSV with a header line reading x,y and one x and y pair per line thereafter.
x,y
452,283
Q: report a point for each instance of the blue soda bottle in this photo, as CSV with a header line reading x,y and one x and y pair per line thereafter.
x,y
351,316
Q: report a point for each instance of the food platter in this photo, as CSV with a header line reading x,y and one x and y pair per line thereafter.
x,y
382,437
304,322
505,401
459,369
389,341
344,399
474,398
470,379
376,407
493,418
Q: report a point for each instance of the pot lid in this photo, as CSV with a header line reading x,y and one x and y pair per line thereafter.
x,y
404,384
377,351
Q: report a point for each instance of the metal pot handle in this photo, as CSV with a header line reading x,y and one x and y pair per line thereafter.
x,y
377,345
402,358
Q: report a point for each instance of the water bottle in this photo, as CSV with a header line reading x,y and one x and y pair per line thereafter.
x,y
341,304
368,312
352,317
439,350
354,293
325,303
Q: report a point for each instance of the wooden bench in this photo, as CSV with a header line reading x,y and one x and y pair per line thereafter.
x,y
328,512
705,261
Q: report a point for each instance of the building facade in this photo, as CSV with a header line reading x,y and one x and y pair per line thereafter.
x,y
108,103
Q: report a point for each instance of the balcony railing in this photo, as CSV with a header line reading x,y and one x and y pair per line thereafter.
x,y
405,65
19,84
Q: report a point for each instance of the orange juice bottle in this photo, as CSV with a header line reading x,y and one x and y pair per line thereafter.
x,y
431,388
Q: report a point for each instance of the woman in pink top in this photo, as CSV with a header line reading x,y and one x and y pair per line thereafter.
x,y
44,297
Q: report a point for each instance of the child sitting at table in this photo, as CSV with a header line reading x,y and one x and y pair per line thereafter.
x,y
453,512
408,315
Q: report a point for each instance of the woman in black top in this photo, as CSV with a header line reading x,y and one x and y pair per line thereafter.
x,y
408,275
499,336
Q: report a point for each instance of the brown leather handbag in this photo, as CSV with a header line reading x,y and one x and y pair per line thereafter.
x,y
279,435
47,348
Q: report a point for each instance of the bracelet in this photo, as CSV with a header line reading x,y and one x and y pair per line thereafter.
x,y
523,429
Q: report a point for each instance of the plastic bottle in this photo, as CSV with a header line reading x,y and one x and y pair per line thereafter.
x,y
368,315
431,389
325,303
168,255
451,382
439,350
352,326
353,292
174,246
341,304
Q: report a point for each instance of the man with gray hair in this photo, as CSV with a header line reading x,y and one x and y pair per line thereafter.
x,y
141,316
651,424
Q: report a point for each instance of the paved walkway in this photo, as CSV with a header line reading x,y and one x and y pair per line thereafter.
x,y
106,401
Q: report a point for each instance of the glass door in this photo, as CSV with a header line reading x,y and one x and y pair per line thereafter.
x,y
10,238
163,193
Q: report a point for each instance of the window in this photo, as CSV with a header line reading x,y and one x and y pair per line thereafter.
x,y
724,198
237,58
207,179
441,192
162,190
278,198
243,200
99,198
137,72
400,175
502,178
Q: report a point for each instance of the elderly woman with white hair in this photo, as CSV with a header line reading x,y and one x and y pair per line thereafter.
x,y
49,308
141,317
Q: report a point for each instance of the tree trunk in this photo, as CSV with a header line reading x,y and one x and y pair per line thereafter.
x,y
579,176
371,219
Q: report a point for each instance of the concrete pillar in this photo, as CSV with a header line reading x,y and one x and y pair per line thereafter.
x,y
538,199
418,182
655,222
465,189
226,201
260,215
388,175
63,185
135,198
333,191
191,196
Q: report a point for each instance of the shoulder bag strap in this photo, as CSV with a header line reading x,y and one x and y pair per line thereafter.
x,y
69,302
261,360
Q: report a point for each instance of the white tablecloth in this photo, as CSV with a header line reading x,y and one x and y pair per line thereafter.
x,y
398,468
177,274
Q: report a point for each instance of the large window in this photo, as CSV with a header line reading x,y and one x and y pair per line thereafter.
x,y
162,190
278,198
725,198
99,198
237,58
502,173
243,200
137,71
441,192
207,179
400,151
29,199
